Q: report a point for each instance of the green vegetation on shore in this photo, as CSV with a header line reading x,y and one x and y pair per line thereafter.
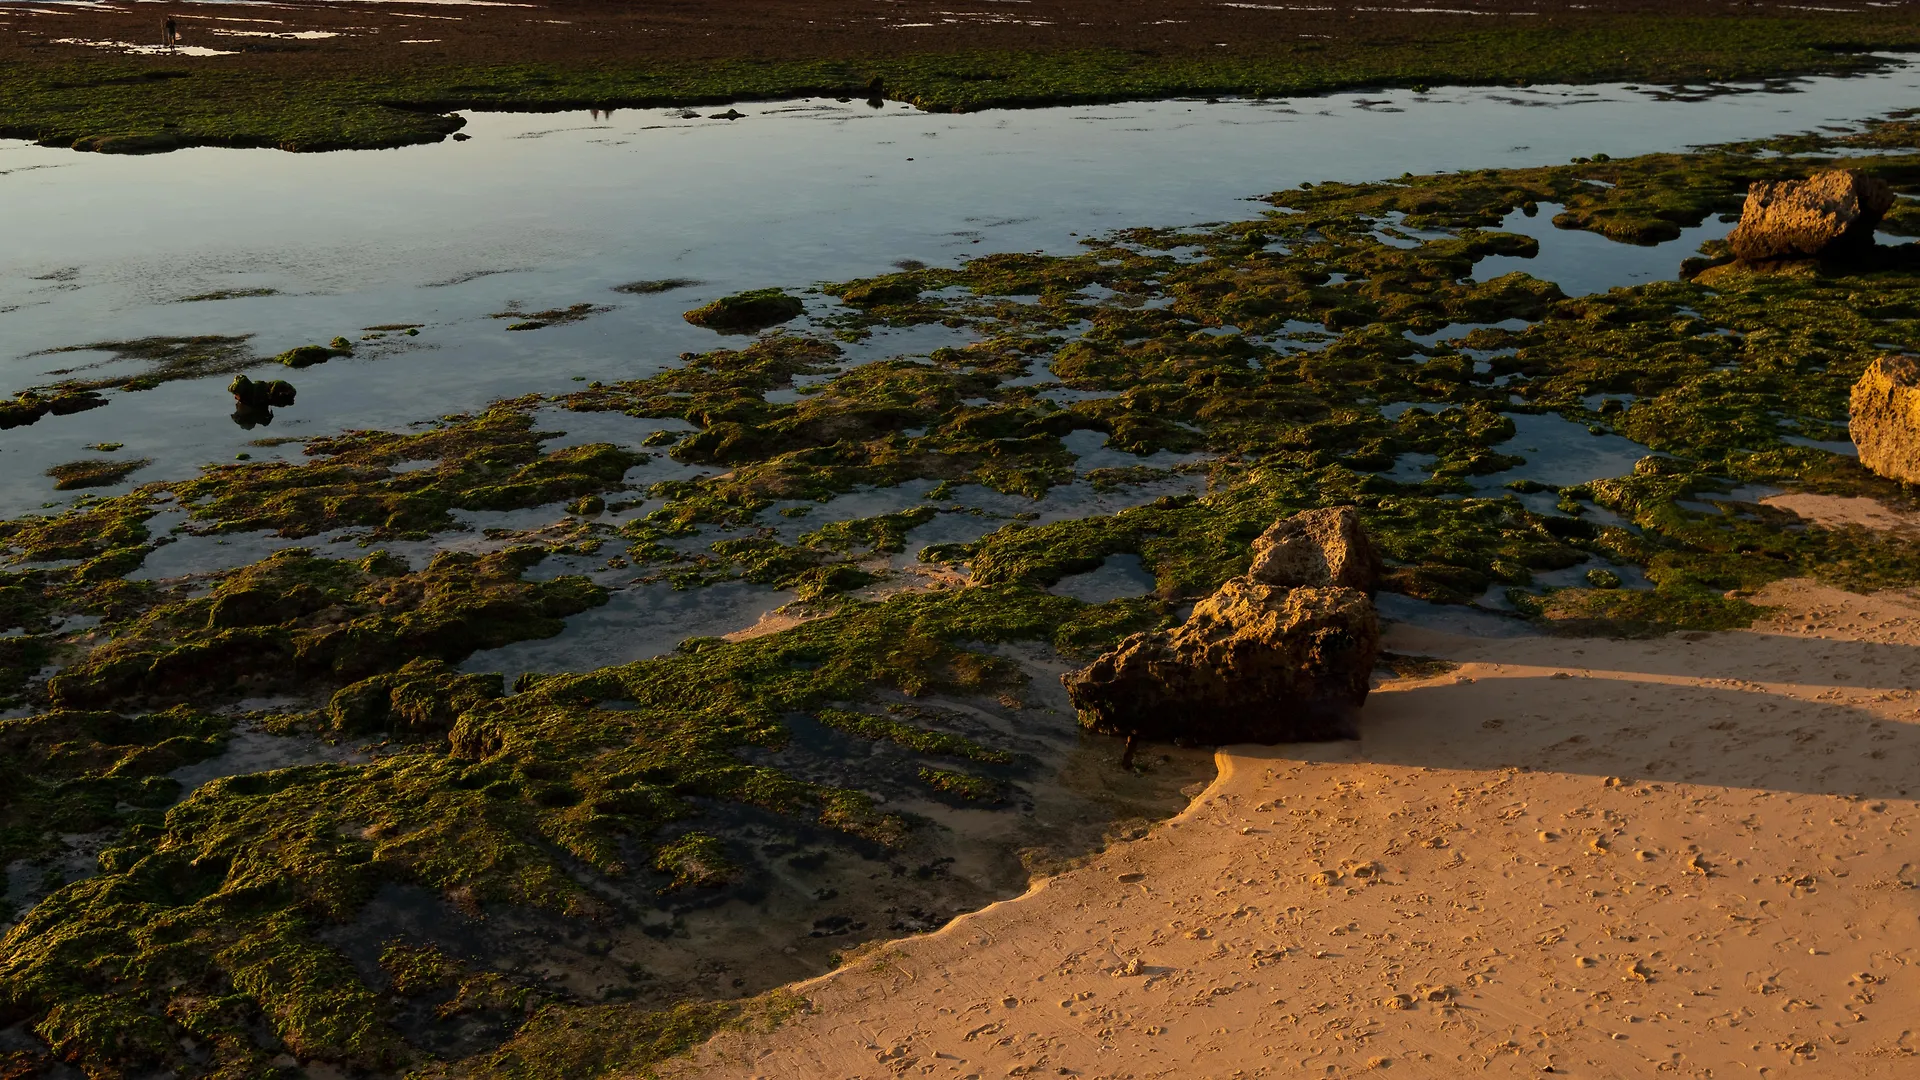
x,y
1259,355
131,105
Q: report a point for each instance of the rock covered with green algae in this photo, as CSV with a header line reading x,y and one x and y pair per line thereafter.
x,y
747,312
489,461
294,619
424,696
29,406
1885,414
301,356
76,771
97,472
261,394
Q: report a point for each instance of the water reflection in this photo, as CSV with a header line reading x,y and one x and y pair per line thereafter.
x,y
438,237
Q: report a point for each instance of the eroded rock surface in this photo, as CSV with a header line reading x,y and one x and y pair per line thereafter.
x,y
1254,663
1886,417
1827,213
1320,548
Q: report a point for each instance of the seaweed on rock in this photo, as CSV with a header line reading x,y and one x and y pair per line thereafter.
x,y
294,619
219,901
1263,350
489,461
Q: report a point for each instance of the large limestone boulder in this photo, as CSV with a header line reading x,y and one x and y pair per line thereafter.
x,y
1318,548
1254,663
1886,418
1826,214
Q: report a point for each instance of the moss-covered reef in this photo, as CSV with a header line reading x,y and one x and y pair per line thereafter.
x,y
134,105
293,619
1293,359
75,771
161,360
747,312
95,472
197,935
540,320
165,359
488,461
1643,200
1270,344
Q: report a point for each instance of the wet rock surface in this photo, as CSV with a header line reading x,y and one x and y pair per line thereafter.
x,y
1885,418
261,394
747,312
1827,214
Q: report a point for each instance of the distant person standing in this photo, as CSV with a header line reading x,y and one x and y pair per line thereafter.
x,y
170,33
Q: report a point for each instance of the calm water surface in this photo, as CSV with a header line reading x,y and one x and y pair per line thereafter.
x,y
545,210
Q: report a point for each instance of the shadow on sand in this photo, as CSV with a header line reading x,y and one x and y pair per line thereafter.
x,y
1751,710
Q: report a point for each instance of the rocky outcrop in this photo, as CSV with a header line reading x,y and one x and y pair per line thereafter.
x,y
1885,418
1285,654
1829,213
1254,663
426,695
1317,548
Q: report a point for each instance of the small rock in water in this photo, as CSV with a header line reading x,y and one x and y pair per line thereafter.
x,y
261,394
1826,214
747,312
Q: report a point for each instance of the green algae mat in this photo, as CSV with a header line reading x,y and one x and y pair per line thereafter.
x,y
370,100
225,928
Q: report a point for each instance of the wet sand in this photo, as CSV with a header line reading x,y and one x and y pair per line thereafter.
x,y
1585,857
1838,511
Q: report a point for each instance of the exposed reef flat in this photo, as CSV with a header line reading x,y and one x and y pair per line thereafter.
x,y
329,76
491,875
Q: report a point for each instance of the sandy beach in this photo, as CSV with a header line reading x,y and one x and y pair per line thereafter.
x,y
1592,858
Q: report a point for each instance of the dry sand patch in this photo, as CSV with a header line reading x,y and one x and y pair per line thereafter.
x,y
1608,858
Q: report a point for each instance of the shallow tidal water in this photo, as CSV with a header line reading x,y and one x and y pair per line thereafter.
x,y
546,211
537,211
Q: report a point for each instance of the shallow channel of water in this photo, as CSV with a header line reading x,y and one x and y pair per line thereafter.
x,y
547,210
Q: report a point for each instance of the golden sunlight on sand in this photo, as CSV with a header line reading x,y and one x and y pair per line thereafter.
x,y
1591,858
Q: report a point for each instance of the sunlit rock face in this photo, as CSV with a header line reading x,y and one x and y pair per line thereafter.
x,y
1284,654
1828,213
1885,418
